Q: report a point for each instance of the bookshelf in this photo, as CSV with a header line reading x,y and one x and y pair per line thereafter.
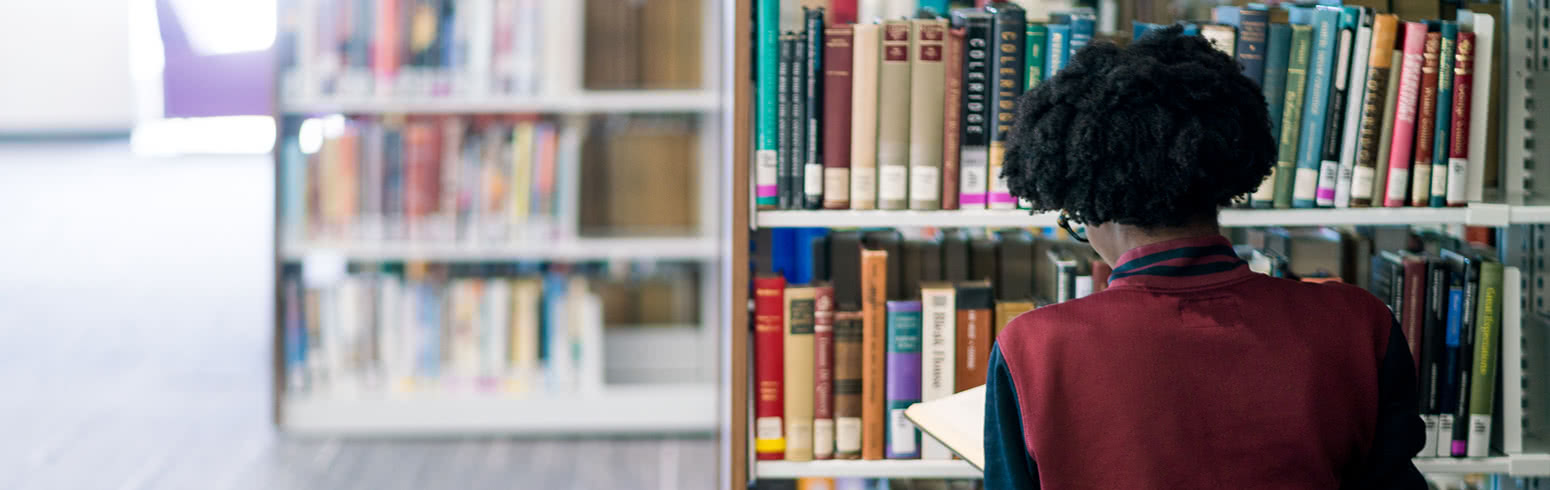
x,y
654,376
1509,207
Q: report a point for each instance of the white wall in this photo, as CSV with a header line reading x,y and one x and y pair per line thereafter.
x,y
64,66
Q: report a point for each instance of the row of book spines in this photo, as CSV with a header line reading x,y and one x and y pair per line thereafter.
x,y
1450,310
1340,59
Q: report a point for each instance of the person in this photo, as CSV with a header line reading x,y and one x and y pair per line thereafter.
x,y
1189,370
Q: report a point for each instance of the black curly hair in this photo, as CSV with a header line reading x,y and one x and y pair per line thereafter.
x,y
1159,133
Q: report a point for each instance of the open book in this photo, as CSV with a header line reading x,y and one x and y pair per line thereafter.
x,y
958,421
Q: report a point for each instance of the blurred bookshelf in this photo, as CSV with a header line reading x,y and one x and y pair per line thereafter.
x,y
496,217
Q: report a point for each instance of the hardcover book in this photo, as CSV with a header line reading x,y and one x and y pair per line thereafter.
x,y
1460,134
893,117
975,317
798,369
1036,41
790,140
1425,119
974,174
1056,49
1291,114
1334,122
927,76
1488,321
904,382
808,186
837,117
1355,98
1277,56
874,291
952,118
1316,106
845,257
938,364
1007,31
1405,108
1252,29
1443,112
1083,26
769,392
863,116
1379,62
1380,178
823,372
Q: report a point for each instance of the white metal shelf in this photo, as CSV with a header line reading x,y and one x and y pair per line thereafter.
x,y
693,248
618,409
624,101
1477,214
1524,465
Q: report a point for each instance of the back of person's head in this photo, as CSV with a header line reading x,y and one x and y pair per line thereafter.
x,y
1158,133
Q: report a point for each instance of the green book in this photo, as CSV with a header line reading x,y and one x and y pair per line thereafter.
x,y
1277,53
1488,338
1440,140
766,94
1034,59
1291,113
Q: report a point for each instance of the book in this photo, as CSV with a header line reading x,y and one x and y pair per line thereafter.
x,y
768,46
823,371
1083,26
1482,133
1443,112
1434,327
957,422
973,302
807,190
790,141
1058,47
982,259
955,255
842,12
1380,177
1007,30
1405,108
798,368
1222,37
952,118
1453,424
1316,105
1356,92
1253,29
1036,41
927,76
845,260
938,364
904,377
863,115
893,116
1277,55
974,174
1291,115
1379,63
1014,291
1483,369
1425,119
769,366
874,321
1334,123
1459,134
837,105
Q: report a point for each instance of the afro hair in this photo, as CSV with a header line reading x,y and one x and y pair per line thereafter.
x,y
1159,133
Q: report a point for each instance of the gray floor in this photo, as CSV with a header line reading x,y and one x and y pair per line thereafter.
x,y
134,347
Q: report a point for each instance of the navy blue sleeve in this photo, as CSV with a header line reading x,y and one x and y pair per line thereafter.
x,y
1008,464
1400,432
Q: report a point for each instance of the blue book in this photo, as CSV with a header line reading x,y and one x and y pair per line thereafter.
x,y
1082,27
1441,139
1191,29
1253,28
428,359
782,261
937,6
1315,105
1139,29
1447,384
1277,54
553,341
1226,15
1059,45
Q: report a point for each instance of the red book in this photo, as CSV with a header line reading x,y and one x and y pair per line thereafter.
x,y
384,55
1426,117
1458,147
837,54
953,98
823,372
1413,311
842,11
769,319
1405,107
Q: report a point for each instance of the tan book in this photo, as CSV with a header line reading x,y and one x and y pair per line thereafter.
x,y
670,44
893,116
863,116
798,369
874,321
937,366
928,77
1007,310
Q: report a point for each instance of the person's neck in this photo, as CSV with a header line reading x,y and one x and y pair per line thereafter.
x,y
1112,240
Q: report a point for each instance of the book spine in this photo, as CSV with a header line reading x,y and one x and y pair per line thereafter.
x,y
1277,54
798,369
1334,122
874,321
1461,387
1291,114
1459,135
808,187
1443,114
788,139
1483,134
1413,316
766,187
791,185
1007,310
1405,115
837,104
1425,123
842,12
1438,416
1059,36
1251,50
1380,177
823,372
847,384
1435,325
1007,32
974,172
903,378
1356,93
893,117
952,118
1378,65
973,345
1483,369
769,342
863,116
1082,29
1315,107
937,356
1036,40
927,76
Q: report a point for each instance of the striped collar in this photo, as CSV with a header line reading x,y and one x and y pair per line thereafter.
x,y
1184,263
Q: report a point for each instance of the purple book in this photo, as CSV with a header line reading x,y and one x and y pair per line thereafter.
x,y
903,385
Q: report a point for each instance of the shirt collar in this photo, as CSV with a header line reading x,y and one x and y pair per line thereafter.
x,y
1180,264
